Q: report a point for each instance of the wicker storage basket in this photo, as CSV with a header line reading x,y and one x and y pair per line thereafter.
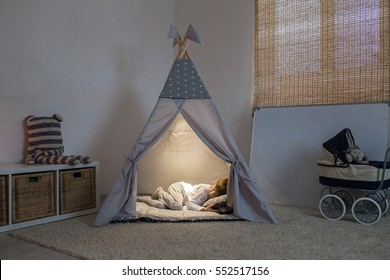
x,y
33,196
3,201
77,190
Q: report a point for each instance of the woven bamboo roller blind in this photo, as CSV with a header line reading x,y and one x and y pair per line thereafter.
x,y
321,52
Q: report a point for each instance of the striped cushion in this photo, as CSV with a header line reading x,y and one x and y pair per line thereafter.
x,y
45,144
43,159
44,133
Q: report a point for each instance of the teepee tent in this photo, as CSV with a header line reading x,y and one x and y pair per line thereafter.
x,y
185,94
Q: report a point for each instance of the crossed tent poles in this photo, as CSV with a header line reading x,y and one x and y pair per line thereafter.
x,y
191,35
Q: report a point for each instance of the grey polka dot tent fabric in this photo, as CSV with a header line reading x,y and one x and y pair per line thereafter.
x,y
184,82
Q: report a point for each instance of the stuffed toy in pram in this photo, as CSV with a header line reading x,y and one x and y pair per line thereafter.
x,y
45,143
356,155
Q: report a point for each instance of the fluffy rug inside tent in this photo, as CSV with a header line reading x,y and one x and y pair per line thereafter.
x,y
184,99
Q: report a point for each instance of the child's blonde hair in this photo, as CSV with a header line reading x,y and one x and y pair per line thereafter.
x,y
221,186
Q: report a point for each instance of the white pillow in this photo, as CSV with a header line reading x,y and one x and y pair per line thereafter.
x,y
215,200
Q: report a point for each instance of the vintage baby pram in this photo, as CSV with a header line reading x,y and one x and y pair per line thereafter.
x,y
347,181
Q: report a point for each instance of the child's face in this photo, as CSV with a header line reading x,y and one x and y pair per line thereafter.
x,y
212,191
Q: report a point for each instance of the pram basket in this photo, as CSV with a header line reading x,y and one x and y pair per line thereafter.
x,y
343,179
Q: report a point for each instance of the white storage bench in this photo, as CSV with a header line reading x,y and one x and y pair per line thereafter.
x,y
42,193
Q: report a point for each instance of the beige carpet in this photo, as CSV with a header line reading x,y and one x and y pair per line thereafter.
x,y
302,233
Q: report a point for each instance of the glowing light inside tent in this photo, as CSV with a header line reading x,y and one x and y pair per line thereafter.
x,y
179,156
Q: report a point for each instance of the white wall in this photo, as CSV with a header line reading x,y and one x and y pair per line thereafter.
x,y
100,64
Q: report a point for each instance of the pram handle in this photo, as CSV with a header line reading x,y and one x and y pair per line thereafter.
x,y
385,161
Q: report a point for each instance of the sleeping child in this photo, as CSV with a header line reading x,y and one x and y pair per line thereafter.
x,y
182,193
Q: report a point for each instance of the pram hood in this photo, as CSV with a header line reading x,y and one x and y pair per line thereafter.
x,y
338,145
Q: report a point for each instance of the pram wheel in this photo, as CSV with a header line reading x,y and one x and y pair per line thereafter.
x,y
332,207
386,207
380,199
347,198
327,190
366,211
